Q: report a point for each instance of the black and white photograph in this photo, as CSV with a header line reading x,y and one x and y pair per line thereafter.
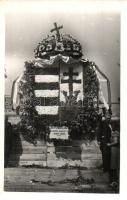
x,y
62,97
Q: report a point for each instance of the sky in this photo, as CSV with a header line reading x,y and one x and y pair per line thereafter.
x,y
97,29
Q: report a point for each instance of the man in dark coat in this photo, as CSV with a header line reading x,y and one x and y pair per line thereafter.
x,y
115,158
7,141
104,138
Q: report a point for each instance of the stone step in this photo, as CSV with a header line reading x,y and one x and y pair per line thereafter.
x,y
22,140
51,156
26,143
29,149
14,163
75,149
87,163
53,161
27,157
73,156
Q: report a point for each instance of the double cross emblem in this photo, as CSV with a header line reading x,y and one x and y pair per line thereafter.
x,y
71,80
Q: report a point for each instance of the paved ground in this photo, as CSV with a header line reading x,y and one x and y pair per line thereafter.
x,y
56,180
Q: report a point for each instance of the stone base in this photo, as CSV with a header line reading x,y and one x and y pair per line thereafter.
x,y
75,154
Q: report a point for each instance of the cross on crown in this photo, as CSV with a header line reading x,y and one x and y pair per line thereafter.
x,y
57,28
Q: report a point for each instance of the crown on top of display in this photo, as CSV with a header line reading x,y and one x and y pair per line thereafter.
x,y
56,44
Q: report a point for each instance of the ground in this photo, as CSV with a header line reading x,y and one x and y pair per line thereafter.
x,y
34,179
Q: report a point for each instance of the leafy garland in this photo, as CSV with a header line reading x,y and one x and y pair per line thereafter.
x,y
89,112
27,111
32,124
91,87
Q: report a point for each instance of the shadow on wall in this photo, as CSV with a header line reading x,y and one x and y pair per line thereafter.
x,y
67,150
12,146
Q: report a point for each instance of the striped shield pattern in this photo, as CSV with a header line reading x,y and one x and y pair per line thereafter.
x,y
47,90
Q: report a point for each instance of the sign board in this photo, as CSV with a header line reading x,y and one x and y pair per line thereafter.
x,y
59,133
